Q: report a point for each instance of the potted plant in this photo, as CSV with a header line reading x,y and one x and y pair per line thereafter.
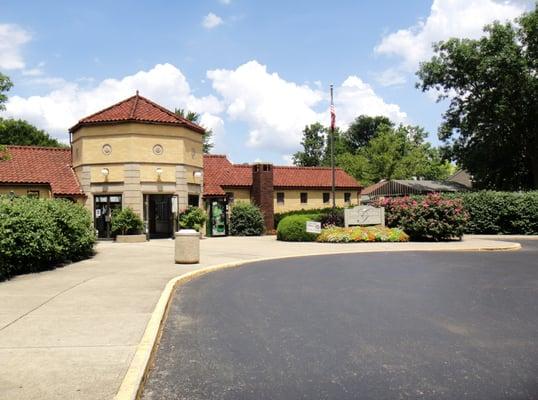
x,y
192,218
127,226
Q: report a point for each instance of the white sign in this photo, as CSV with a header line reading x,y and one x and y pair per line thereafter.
x,y
364,215
98,212
313,227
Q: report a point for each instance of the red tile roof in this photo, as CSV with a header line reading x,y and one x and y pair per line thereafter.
x,y
219,173
137,109
41,165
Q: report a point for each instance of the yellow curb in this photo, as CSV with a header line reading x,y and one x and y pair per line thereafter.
x,y
133,382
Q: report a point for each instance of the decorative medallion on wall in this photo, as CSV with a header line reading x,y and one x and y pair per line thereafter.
x,y
158,149
107,149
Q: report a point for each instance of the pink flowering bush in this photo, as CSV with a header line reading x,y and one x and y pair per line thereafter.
x,y
427,218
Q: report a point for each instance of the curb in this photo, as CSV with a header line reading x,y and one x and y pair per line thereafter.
x,y
134,379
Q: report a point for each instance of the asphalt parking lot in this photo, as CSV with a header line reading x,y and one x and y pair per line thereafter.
x,y
409,325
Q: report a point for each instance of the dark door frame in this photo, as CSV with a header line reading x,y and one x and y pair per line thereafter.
x,y
159,225
105,218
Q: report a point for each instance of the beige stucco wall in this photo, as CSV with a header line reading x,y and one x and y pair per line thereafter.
x,y
22,190
292,199
239,194
134,142
132,163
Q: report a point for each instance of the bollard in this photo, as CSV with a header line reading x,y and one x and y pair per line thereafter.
x,y
187,246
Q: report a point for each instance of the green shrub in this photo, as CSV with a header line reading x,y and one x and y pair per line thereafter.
x,y
293,229
429,218
126,222
76,235
246,220
362,234
318,211
501,212
192,218
493,212
38,234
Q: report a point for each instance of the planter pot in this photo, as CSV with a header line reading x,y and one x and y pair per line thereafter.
x,y
130,238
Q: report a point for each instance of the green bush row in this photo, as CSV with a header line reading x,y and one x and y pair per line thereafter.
x,y
313,211
506,213
38,234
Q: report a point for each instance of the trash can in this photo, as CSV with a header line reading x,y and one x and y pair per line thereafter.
x,y
187,246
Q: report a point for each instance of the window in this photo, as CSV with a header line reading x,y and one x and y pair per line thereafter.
x,y
347,198
33,193
194,200
326,198
280,197
230,196
304,198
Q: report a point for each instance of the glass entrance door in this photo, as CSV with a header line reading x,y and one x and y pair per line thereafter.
x,y
160,215
103,207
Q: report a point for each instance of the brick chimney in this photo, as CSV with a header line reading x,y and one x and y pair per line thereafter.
x,y
262,192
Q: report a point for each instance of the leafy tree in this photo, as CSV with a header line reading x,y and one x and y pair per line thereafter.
x,y
22,133
363,129
491,125
395,153
195,117
313,146
5,85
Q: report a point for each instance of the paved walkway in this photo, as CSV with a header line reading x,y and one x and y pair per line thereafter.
x,y
71,333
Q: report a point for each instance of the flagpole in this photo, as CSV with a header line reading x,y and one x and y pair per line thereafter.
x,y
333,119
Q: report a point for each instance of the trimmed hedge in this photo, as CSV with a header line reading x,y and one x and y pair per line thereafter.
x,y
293,228
313,211
246,220
362,234
506,213
429,218
39,234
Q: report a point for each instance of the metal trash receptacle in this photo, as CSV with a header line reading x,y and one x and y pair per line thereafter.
x,y
187,246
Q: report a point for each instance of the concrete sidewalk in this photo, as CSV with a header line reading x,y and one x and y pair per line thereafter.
x,y
71,333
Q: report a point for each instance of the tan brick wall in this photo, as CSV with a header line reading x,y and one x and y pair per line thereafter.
x,y
22,190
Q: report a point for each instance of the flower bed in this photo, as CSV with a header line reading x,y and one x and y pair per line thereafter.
x,y
362,234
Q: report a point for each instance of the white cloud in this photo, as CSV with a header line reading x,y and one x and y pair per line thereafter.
x,y
211,21
12,37
225,2
62,107
355,97
276,111
448,18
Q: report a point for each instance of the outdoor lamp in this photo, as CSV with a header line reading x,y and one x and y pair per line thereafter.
x,y
197,174
105,172
159,171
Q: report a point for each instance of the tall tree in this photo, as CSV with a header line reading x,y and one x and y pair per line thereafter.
x,y
395,153
5,86
313,143
363,129
195,117
491,125
22,133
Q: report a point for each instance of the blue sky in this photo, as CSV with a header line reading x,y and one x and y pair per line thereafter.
x,y
256,71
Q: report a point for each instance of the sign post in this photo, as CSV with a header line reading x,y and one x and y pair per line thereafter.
x,y
313,227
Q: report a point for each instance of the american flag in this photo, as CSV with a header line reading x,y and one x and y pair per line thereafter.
x,y
333,117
